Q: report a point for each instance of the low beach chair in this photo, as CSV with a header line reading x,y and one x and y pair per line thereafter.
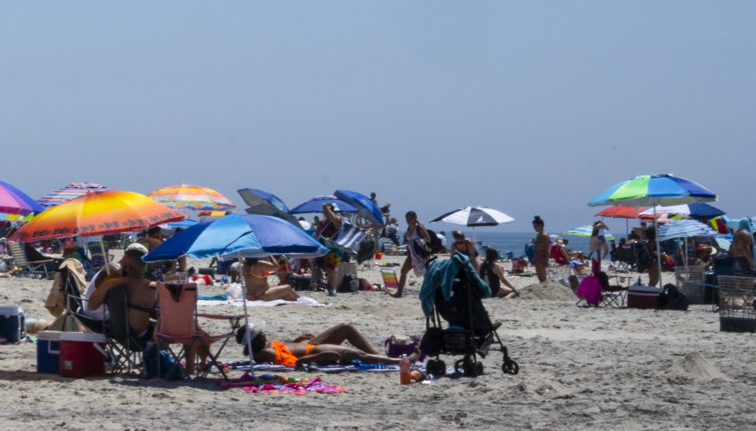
x,y
349,236
178,324
31,267
125,347
96,255
389,279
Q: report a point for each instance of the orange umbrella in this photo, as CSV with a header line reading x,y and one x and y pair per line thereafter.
x,y
192,197
621,211
97,214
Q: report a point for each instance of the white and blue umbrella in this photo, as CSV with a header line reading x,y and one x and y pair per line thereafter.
x,y
684,229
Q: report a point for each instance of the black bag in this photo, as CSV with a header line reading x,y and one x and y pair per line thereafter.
x,y
671,298
435,244
421,249
644,261
349,284
433,341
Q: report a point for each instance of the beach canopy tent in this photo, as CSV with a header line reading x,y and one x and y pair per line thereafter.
x,y
315,205
190,197
698,210
262,202
653,190
236,235
71,191
586,231
15,202
366,208
97,214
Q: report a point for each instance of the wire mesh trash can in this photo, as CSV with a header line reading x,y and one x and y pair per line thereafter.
x,y
736,304
691,282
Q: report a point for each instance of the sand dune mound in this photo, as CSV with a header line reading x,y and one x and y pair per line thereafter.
x,y
548,290
695,366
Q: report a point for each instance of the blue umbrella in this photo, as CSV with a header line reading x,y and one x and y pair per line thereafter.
x,y
183,224
684,229
247,235
315,205
365,207
262,202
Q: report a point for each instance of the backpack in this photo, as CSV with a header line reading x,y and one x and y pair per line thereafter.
x,y
671,298
435,242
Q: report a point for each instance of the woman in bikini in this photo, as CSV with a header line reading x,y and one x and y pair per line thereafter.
x,y
415,232
463,245
323,349
493,274
542,248
256,273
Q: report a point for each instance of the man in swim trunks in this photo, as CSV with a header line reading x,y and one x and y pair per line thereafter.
x,y
327,228
323,349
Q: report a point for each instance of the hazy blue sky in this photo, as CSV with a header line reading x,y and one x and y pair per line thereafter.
x,y
528,107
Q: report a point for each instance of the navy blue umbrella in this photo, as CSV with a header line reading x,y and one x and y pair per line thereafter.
x,y
365,207
262,202
315,205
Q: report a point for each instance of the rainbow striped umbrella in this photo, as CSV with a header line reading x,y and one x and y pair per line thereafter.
x,y
196,198
97,214
71,191
14,201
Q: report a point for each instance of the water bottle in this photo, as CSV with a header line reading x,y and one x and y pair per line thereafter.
x,y
404,371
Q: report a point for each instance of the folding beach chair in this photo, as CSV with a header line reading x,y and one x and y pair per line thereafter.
x,y
178,324
389,279
349,236
96,255
33,268
125,347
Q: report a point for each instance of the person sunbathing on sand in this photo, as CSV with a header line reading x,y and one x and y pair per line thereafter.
x,y
323,349
256,281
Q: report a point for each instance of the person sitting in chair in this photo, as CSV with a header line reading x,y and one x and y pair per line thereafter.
x,y
256,273
323,349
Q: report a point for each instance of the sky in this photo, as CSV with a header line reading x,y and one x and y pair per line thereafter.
x,y
526,107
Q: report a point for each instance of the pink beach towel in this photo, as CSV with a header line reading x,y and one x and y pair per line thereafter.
x,y
590,289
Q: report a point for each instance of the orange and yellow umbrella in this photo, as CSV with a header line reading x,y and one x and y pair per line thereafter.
x,y
97,214
197,198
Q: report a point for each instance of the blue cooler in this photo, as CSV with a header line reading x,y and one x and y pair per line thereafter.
x,y
48,352
11,324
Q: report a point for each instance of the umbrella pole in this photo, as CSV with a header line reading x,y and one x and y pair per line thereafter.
x,y
105,255
247,335
658,248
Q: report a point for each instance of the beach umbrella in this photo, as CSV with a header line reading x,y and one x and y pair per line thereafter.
x,y
14,201
248,235
262,202
97,214
692,210
181,224
71,191
366,208
621,211
196,198
653,190
315,205
684,229
586,231
474,216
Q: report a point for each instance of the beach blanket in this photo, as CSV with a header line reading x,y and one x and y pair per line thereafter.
x,y
303,300
272,384
356,365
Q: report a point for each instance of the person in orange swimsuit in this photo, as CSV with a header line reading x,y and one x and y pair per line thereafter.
x,y
324,349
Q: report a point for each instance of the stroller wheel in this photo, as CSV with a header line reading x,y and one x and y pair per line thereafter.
x,y
510,366
435,367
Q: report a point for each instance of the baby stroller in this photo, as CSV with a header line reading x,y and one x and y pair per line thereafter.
x,y
452,291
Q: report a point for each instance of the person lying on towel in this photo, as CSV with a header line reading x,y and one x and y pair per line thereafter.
x,y
323,349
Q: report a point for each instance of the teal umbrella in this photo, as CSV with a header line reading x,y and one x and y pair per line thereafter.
x,y
586,231
653,190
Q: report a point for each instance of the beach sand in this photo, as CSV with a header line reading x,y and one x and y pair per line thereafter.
x,y
579,369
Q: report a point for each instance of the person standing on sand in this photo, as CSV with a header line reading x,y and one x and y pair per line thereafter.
x,y
542,246
415,232
650,248
327,228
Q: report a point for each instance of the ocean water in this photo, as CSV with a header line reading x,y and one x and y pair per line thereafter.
x,y
515,242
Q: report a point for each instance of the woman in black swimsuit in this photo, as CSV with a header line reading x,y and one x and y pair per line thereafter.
x,y
493,274
466,247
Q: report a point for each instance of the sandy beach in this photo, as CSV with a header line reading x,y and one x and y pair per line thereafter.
x,y
579,369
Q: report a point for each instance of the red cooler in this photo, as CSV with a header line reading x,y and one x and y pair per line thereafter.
x,y
82,354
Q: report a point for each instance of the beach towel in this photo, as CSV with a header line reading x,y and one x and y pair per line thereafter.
x,y
590,289
356,366
303,300
271,384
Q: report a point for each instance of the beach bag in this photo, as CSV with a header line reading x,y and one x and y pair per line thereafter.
x,y
435,243
160,364
349,284
398,345
421,249
671,298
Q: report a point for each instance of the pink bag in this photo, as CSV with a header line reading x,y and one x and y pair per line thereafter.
x,y
590,289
